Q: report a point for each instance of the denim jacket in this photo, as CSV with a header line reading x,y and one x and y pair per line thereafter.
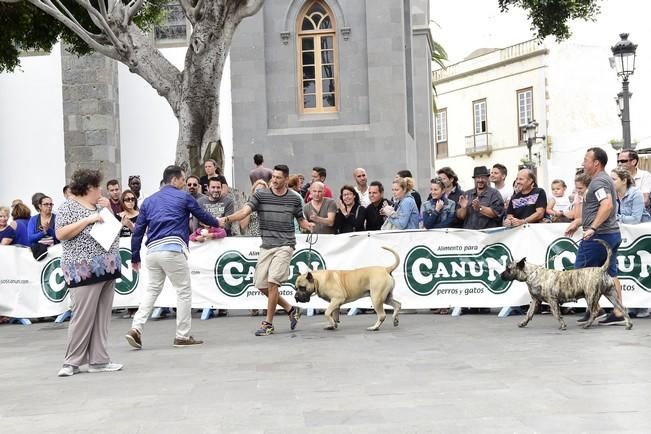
x,y
406,216
630,208
433,219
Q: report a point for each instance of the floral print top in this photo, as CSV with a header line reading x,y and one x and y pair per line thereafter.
x,y
84,261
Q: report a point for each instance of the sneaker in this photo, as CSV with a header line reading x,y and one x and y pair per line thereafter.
x,y
68,371
613,319
104,367
638,312
586,317
133,337
266,328
186,342
294,315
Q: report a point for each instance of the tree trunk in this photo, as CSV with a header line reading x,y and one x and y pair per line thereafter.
x,y
199,133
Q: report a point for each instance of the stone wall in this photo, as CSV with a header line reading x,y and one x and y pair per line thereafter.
x,y
91,114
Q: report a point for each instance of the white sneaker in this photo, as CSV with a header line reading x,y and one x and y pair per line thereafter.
x,y
107,367
68,371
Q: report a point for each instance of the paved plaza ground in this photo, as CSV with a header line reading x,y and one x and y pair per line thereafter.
x,y
474,373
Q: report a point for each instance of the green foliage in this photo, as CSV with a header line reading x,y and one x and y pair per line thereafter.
x,y
551,17
27,28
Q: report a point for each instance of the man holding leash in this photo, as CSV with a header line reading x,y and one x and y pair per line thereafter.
x,y
277,208
599,222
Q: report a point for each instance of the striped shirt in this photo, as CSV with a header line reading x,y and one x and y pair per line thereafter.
x,y
276,215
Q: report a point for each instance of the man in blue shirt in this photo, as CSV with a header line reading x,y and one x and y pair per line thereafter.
x,y
165,217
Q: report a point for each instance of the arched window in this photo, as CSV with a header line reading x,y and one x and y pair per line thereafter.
x,y
317,58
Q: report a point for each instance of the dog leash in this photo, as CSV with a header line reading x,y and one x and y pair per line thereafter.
x,y
311,239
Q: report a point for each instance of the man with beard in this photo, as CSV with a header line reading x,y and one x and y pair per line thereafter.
x,y
483,206
528,204
217,204
114,193
193,184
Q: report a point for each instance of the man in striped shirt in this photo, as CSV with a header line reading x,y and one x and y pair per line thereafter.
x,y
277,208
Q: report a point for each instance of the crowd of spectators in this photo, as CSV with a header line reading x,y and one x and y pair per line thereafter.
x,y
362,205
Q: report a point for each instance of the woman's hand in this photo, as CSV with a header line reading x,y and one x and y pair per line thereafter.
x,y
439,205
94,218
104,202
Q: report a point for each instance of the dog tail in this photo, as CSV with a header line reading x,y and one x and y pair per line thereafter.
x,y
606,264
393,266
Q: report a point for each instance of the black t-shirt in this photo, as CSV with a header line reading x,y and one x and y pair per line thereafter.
x,y
522,206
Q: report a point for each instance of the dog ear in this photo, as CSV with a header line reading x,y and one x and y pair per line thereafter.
x,y
309,277
521,262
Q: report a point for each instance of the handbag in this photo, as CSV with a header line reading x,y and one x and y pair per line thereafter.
x,y
39,251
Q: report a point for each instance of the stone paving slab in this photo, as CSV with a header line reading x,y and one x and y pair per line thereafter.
x,y
475,373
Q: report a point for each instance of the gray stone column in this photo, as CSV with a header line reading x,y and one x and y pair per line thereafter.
x,y
91,121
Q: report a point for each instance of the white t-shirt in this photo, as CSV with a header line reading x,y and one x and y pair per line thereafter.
x,y
364,200
506,192
561,203
643,181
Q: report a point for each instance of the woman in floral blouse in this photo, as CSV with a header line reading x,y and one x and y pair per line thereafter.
x,y
90,273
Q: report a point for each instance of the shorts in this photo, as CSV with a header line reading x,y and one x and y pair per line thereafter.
x,y
592,254
272,266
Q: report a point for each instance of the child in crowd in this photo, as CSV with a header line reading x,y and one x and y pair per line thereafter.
x,y
207,233
558,203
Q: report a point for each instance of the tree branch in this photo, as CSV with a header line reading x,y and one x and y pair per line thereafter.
x,y
132,9
49,8
101,22
248,8
188,10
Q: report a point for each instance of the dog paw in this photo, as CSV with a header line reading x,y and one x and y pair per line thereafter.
x,y
329,327
522,324
563,327
629,326
586,326
373,329
396,322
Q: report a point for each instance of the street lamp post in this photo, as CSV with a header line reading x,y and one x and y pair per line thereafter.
x,y
531,131
624,53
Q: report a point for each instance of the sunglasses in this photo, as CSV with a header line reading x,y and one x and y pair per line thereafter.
x,y
129,199
193,185
623,161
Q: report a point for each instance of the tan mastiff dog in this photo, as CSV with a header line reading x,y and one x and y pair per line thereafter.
x,y
343,286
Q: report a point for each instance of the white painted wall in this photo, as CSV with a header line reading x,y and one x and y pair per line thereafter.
x,y
31,130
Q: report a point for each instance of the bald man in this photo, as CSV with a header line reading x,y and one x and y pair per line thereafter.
x,y
361,186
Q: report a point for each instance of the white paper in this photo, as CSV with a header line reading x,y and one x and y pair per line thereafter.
x,y
106,232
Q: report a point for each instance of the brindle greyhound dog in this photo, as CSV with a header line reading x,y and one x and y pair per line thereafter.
x,y
557,287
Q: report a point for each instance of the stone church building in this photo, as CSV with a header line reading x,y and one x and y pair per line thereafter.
x,y
334,83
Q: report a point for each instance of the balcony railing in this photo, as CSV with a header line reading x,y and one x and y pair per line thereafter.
x,y
478,144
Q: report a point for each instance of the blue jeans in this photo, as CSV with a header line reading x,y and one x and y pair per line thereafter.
x,y
592,254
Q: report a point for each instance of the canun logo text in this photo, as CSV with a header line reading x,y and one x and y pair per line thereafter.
x,y
425,271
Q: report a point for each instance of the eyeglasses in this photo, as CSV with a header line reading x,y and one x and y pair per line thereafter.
x,y
129,199
623,161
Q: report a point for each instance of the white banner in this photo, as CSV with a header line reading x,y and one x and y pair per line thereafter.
x,y
438,268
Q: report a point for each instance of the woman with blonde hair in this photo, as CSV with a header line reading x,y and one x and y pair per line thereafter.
x,y
404,212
